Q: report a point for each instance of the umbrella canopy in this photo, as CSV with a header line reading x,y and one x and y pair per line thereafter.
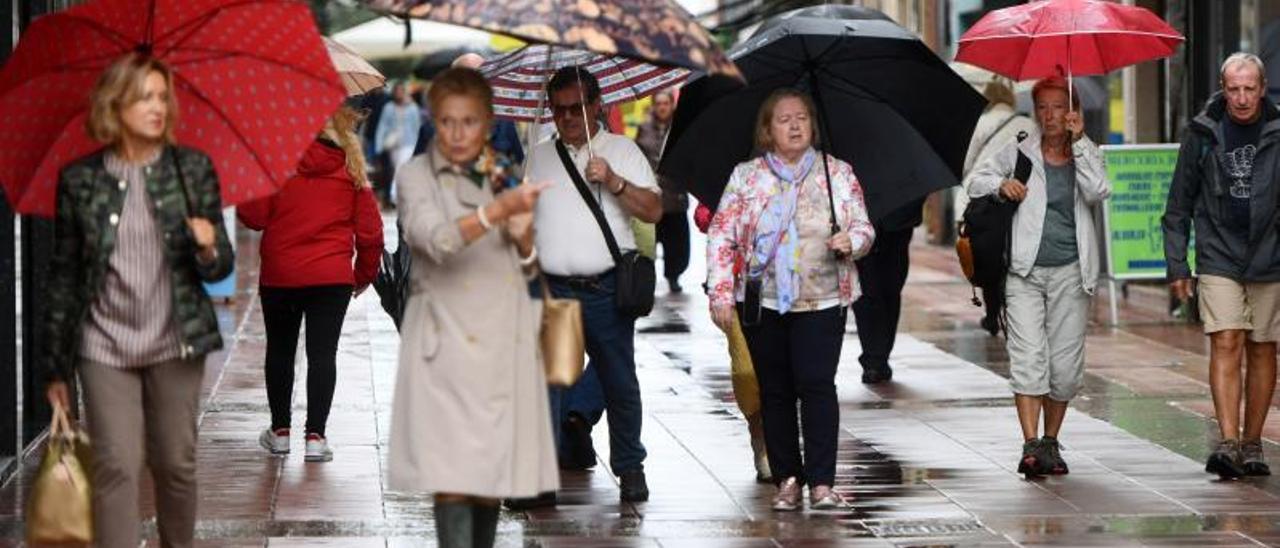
x,y
518,78
656,31
886,104
357,75
252,78
383,38
1066,37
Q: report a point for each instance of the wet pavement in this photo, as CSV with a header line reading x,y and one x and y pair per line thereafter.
x,y
929,460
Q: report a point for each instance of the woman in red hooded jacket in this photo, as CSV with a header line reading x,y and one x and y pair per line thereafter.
x,y
324,221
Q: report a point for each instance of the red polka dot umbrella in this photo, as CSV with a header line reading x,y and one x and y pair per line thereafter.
x,y
254,85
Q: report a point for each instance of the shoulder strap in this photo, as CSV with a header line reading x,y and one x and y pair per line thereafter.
x,y
999,128
591,201
1022,170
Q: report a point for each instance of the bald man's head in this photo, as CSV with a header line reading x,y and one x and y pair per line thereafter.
x,y
468,60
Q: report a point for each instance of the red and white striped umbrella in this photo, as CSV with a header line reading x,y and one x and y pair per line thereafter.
x,y
518,78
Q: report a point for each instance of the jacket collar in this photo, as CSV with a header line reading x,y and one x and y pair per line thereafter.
x,y
1216,108
467,192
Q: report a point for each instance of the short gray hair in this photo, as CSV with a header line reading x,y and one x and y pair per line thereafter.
x,y
1240,58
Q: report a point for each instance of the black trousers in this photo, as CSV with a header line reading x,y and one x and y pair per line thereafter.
x,y
673,234
882,273
795,357
283,309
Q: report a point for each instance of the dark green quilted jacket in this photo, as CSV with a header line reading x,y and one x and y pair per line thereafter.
x,y
89,202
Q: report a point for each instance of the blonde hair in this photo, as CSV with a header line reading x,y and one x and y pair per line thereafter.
x,y
764,120
341,127
121,85
460,81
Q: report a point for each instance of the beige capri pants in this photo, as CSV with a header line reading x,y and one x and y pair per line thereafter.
x,y
1047,315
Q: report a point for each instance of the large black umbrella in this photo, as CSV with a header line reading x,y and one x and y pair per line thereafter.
x,y
886,104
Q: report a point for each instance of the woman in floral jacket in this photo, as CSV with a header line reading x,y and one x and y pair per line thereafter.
x,y
774,230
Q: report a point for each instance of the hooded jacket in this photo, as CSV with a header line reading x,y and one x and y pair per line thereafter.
x,y
1198,192
316,224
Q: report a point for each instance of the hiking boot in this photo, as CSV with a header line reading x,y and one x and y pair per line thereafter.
x,y
275,441
1056,466
633,486
877,375
823,497
580,453
788,497
1225,460
1034,459
317,449
1253,462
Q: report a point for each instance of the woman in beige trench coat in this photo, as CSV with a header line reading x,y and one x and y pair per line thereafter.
x,y
470,420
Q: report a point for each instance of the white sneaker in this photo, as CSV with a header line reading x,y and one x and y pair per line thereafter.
x,y
318,449
275,441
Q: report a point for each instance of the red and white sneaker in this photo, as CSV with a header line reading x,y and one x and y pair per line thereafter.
x,y
318,449
275,441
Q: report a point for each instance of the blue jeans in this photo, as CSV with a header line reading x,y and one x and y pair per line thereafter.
x,y
610,342
586,397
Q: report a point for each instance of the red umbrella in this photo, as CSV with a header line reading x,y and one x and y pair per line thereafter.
x,y
253,80
1066,37
518,78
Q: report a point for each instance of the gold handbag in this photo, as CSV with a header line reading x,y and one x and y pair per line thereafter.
x,y
562,339
60,508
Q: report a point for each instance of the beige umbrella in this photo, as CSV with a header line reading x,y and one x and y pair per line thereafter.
x,y
358,75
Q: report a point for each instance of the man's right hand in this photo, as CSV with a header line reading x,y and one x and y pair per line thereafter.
x,y
1183,289
59,395
1013,191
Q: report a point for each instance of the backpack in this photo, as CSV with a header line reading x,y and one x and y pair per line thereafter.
x,y
985,237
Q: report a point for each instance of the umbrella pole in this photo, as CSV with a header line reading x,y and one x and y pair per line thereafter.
x,y
582,101
826,141
532,132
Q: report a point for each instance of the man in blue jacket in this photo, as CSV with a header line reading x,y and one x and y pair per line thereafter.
x,y
1225,183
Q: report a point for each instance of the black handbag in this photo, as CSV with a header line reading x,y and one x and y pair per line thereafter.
x,y
637,278
392,281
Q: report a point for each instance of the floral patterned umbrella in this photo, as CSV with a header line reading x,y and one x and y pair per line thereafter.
x,y
519,77
656,31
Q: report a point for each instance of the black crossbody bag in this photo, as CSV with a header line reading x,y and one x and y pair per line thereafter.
x,y
636,276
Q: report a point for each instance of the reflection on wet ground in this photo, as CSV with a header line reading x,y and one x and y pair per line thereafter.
x,y
929,460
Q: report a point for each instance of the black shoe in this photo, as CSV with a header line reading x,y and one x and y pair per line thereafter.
x,y
1253,462
544,500
634,488
673,284
1225,460
580,453
876,375
1034,456
1053,453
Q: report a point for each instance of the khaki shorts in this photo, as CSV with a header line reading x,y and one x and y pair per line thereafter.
x,y
1227,304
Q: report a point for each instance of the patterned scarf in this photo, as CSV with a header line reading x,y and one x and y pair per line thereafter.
x,y
776,234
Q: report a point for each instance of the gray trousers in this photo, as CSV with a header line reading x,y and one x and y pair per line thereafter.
x,y
144,416
1047,314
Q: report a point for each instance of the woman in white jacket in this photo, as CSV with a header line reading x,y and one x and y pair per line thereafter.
x,y
1053,264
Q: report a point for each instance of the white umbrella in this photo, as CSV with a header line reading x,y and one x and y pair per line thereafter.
x,y
383,38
